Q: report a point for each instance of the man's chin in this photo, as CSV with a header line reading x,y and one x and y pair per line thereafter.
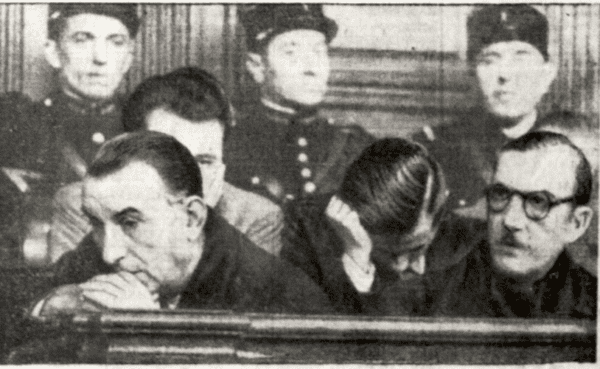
x,y
508,264
310,100
96,93
509,116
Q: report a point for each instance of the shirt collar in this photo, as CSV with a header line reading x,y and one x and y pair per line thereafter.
x,y
83,106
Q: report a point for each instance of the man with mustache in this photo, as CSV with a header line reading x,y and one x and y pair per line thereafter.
x,y
282,148
537,205
155,244
508,55
383,244
48,143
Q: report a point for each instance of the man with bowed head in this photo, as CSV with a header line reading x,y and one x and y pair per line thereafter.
x,y
384,243
189,104
155,244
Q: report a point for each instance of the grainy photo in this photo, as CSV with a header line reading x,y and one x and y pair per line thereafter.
x,y
299,183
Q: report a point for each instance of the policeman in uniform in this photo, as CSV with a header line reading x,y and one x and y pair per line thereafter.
x,y
49,143
508,53
282,148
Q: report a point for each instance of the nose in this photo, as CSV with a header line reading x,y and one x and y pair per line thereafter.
x,y
316,63
100,52
113,245
504,71
514,214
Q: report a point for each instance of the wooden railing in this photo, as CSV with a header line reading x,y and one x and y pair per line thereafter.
x,y
224,337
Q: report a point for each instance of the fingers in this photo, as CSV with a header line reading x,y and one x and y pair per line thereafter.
x,y
117,284
121,290
339,210
101,298
104,287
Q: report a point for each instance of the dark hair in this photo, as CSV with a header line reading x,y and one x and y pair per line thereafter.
x,y
191,93
541,139
387,185
173,161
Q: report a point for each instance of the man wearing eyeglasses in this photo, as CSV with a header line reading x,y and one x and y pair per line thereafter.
x,y
537,205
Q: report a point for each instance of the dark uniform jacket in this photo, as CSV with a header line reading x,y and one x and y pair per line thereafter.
x,y
53,139
566,291
38,134
466,149
232,274
310,243
283,157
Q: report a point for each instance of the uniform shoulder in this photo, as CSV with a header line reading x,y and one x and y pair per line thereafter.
x,y
458,127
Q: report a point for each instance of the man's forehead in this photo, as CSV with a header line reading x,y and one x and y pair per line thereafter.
x,y
95,23
551,169
134,185
205,137
298,37
510,47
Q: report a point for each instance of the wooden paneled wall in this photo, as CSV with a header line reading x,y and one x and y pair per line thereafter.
x,y
388,87
575,46
11,47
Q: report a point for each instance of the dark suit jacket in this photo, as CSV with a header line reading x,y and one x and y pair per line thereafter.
x,y
310,243
232,274
566,291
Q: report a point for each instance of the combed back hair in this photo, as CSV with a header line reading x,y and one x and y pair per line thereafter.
x,y
173,161
542,139
190,93
387,185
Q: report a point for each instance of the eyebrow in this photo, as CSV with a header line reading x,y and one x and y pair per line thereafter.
x,y
125,213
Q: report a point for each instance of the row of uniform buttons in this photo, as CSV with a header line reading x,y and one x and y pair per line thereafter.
x,y
305,172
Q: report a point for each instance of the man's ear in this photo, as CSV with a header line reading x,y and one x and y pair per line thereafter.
x,y
256,67
197,212
130,56
52,54
579,223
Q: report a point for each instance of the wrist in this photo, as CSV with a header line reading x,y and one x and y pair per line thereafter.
x,y
362,275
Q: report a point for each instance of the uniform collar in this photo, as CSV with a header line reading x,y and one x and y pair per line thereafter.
x,y
302,116
82,106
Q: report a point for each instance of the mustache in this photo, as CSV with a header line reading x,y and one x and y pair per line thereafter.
x,y
509,239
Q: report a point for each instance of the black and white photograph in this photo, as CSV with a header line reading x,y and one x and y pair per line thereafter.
x,y
299,183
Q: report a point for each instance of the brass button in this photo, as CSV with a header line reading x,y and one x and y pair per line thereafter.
x,y
305,173
302,142
302,157
255,180
309,187
98,138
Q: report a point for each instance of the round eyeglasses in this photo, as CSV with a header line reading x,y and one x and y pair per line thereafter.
x,y
536,204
